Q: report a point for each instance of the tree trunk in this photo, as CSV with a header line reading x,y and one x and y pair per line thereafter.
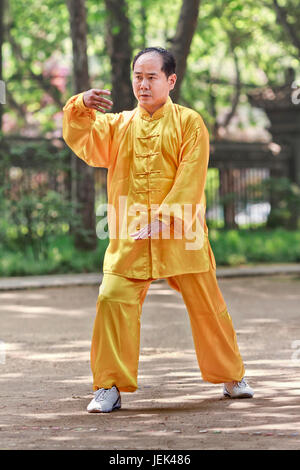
x,y
120,52
85,183
181,43
227,192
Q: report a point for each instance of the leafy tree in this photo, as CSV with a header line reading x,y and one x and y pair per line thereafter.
x,y
236,45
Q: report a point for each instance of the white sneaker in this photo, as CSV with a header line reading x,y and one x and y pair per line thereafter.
x,y
238,389
105,400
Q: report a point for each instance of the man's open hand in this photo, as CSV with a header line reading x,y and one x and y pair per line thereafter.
x,y
93,99
149,230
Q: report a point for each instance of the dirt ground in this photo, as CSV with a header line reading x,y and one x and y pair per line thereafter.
x,y
45,378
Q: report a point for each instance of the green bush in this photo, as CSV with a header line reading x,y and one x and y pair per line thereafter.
x,y
231,248
285,201
33,220
234,247
62,257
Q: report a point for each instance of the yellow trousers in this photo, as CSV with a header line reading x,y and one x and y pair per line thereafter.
x,y
116,335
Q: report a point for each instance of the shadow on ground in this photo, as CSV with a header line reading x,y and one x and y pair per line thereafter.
x,y
46,381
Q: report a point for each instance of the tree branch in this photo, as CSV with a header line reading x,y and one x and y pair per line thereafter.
x,y
236,97
19,108
43,82
290,30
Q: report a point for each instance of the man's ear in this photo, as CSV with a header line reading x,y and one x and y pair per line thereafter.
x,y
172,80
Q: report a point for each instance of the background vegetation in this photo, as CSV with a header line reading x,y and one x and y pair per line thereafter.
x,y
224,49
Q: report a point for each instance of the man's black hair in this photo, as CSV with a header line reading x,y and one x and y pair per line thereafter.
x,y
169,63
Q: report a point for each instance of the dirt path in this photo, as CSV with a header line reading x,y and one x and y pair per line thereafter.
x,y
45,379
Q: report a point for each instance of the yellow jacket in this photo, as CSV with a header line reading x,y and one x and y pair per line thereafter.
x,y
157,168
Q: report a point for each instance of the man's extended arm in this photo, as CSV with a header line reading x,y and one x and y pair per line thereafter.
x,y
89,135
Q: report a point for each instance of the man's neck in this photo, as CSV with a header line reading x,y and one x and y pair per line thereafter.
x,y
152,111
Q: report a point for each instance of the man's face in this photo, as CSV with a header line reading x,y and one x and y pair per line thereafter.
x,y
150,84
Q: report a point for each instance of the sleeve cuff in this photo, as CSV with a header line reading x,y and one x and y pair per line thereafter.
x,y
81,106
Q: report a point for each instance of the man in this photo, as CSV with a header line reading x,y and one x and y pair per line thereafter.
x,y
157,157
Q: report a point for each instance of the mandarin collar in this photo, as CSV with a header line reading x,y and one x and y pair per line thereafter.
x,y
159,113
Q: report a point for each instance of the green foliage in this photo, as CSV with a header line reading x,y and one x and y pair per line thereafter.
x,y
235,247
231,248
35,225
33,220
212,186
285,197
40,154
61,257
38,52
37,37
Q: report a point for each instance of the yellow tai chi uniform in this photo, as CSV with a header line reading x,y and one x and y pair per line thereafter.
x,y
157,168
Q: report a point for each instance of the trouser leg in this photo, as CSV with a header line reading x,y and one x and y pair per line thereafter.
x,y
116,335
214,336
